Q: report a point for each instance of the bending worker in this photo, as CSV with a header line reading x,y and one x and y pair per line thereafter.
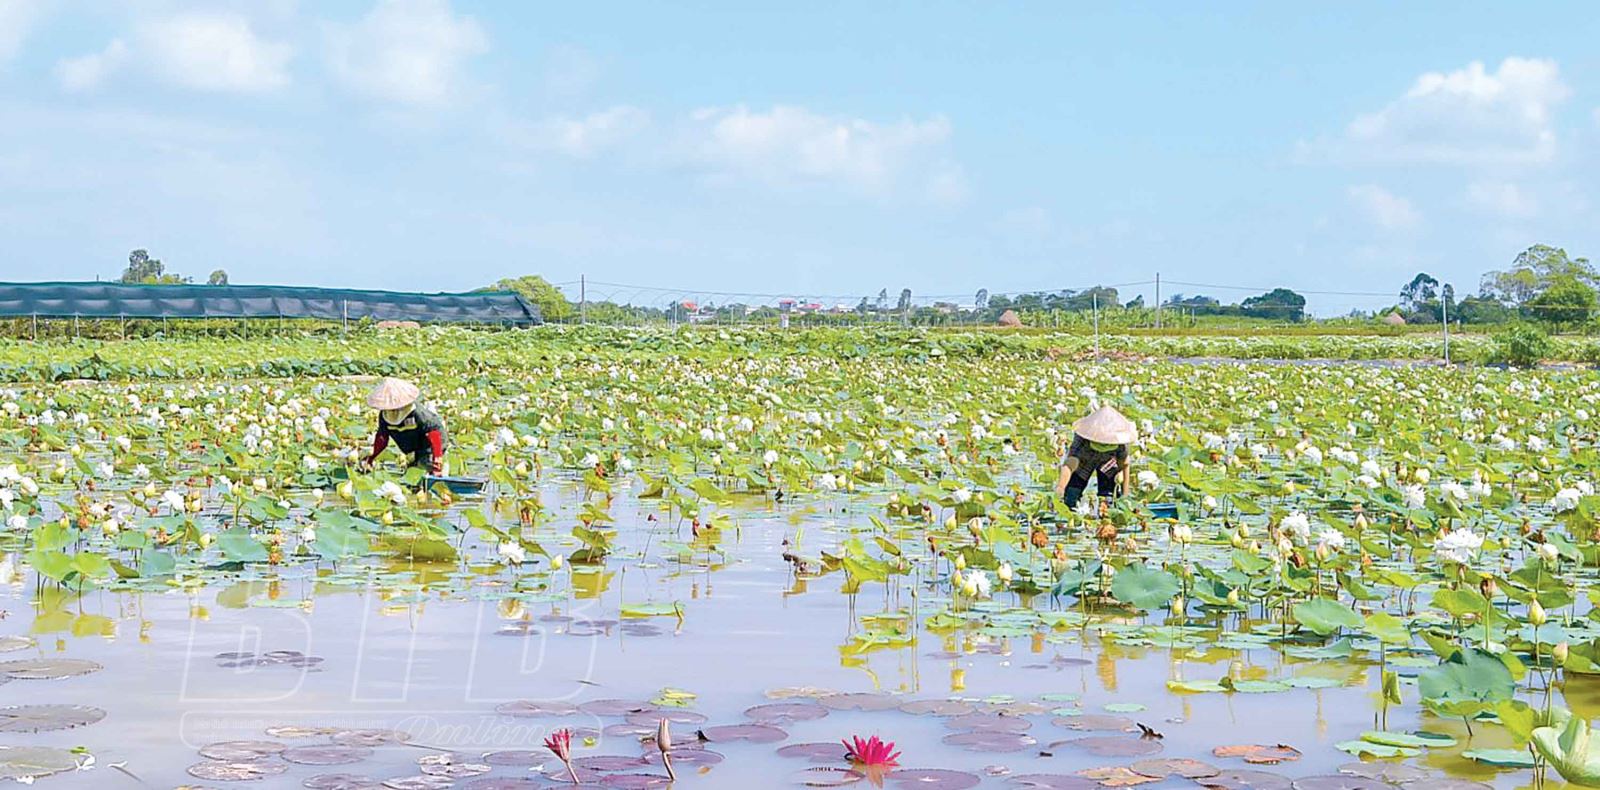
x,y
1100,450
417,430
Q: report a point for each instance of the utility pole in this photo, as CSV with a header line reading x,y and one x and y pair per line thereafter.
x,y
1444,313
1096,296
1158,300
583,300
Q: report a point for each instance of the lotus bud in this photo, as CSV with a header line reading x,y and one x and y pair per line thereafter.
x,y
1238,542
1233,597
1548,552
1488,587
1255,547
1361,522
1288,486
1536,614
664,745
1559,653
961,562
950,522
556,562
1004,572
77,451
205,539
1323,552
346,489
1178,607
388,517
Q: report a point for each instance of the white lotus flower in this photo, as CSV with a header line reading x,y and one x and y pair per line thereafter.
x,y
105,470
17,523
980,583
1454,490
1298,525
1536,444
1208,502
1413,496
1371,469
308,534
1479,488
1584,487
392,492
769,457
174,500
962,495
1329,540
1313,455
1548,552
1459,545
511,553
1566,499
123,443
589,460
311,464
1181,533
828,482
1149,480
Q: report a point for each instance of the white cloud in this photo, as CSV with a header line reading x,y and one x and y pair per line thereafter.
x,y
1469,116
406,51
1383,207
213,52
1503,198
794,146
585,136
17,18
87,72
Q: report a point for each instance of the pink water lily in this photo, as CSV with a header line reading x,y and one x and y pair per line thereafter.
x,y
871,753
560,744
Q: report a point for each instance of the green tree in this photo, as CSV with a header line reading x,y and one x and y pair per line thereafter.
x,y
1535,270
147,270
1279,303
1422,288
552,303
1566,300
218,277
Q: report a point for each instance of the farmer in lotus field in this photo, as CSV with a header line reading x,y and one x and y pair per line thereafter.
x,y
1099,450
417,430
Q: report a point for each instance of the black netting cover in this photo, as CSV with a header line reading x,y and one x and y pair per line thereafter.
x,y
121,300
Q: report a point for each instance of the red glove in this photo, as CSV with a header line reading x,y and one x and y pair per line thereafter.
x,y
436,442
379,441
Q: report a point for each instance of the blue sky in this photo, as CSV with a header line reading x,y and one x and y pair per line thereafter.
x,y
818,148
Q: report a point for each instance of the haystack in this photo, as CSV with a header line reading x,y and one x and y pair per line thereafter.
x,y
1009,318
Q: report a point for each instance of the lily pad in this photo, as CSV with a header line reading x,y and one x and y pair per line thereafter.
x,y
342,782
1500,758
527,708
326,755
241,751
1054,782
864,701
47,668
47,718
224,771
1339,782
615,707
826,776
817,752
1259,754
370,738
1096,722
1116,776
1246,779
785,712
1175,766
750,733
937,707
932,779
26,763
988,722
990,741
1111,745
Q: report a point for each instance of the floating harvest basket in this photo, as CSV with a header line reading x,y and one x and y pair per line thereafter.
x,y
456,485
1164,510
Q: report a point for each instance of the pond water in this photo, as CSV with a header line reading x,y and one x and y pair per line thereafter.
x,y
443,655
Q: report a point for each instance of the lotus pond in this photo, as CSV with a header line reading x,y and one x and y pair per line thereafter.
x,y
1327,577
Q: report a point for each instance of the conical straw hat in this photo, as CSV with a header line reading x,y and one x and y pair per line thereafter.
x,y
1106,426
392,394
